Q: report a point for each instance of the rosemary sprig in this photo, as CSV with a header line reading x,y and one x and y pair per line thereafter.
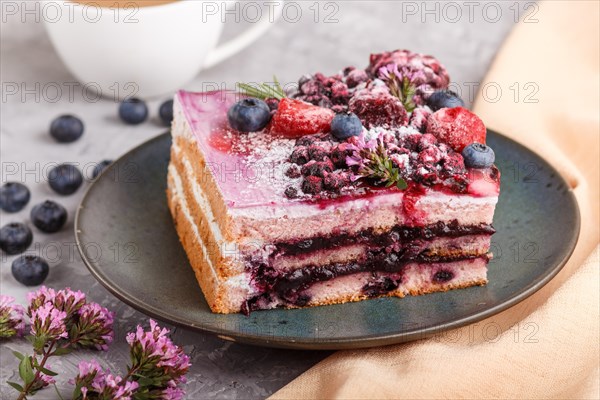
x,y
263,90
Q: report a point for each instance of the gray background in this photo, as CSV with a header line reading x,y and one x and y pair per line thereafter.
x,y
465,43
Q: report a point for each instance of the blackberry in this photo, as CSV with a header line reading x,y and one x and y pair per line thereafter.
x,y
293,172
300,155
291,192
317,168
312,185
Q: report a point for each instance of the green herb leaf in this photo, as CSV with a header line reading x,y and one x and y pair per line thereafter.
x,y
61,351
263,90
38,343
26,371
143,381
20,356
77,391
46,371
15,385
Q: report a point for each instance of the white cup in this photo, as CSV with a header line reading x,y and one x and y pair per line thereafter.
x,y
144,51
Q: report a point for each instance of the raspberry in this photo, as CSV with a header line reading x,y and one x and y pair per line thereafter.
x,y
453,163
378,108
356,77
425,141
339,93
400,161
338,108
272,103
312,185
291,192
347,70
317,168
293,171
425,174
296,118
418,119
299,155
411,141
458,127
431,155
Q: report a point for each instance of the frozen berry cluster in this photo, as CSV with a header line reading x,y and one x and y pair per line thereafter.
x,y
320,160
430,162
432,74
419,158
324,91
364,93
375,106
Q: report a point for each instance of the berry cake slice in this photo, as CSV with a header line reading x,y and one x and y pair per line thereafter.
x,y
372,182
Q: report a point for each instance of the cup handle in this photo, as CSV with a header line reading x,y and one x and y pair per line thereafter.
x,y
243,39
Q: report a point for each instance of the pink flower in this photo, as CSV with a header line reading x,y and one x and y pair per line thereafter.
x,y
154,352
69,301
65,300
89,368
38,298
394,72
173,393
94,327
49,322
11,317
93,383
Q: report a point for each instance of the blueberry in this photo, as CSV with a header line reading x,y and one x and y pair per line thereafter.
x,y
66,128
478,155
30,270
133,111
166,112
249,115
444,99
15,238
65,179
346,125
14,196
48,216
101,166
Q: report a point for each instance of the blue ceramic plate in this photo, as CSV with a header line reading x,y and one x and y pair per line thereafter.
x,y
126,237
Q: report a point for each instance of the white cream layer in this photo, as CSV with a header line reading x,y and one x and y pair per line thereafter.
x,y
238,282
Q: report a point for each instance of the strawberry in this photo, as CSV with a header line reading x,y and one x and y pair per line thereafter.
x,y
457,127
296,118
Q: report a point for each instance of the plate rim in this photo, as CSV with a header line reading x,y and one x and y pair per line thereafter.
x,y
302,343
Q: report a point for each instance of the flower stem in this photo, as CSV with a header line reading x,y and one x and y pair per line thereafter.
x,y
129,374
46,354
58,393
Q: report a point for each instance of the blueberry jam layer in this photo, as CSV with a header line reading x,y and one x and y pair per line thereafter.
x,y
397,235
290,287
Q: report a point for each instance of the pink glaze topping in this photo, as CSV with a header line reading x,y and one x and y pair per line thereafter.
x,y
250,168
